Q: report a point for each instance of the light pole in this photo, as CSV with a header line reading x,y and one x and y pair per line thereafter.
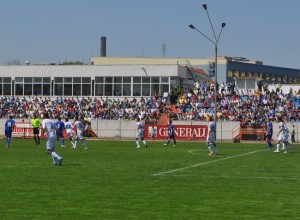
x,y
215,42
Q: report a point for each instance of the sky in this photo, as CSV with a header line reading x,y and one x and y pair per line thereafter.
x,y
55,31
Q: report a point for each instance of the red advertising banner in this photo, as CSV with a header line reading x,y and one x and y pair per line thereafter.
x,y
25,130
182,132
22,129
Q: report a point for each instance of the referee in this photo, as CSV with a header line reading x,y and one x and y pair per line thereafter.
x,y
36,123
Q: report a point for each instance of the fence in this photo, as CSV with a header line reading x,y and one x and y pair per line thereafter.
x,y
125,129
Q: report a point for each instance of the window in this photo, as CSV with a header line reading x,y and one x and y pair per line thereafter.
x,y
118,79
98,79
58,90
164,88
136,89
145,89
76,79
126,89
108,89
19,89
76,89
18,79
27,89
58,79
284,79
229,73
136,79
7,80
6,88
126,79
108,79
86,79
164,79
37,89
68,80
273,78
46,79
46,89
99,89
68,89
86,89
146,79
118,90
37,79
155,80
154,89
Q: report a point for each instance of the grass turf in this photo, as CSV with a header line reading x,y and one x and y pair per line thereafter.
x,y
114,180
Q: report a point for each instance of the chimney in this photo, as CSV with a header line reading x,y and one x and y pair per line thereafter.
x,y
103,47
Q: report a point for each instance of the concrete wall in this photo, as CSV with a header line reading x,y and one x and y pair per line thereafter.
x,y
122,129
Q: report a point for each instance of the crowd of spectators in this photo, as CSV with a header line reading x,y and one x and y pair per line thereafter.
x,y
247,106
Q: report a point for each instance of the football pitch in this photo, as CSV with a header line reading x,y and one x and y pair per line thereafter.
x,y
114,180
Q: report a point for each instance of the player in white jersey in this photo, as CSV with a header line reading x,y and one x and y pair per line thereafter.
x,y
211,137
49,127
282,136
140,132
79,132
69,130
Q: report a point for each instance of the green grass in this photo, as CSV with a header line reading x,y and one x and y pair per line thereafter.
x,y
114,180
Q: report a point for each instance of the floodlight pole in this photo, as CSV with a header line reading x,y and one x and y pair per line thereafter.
x,y
215,42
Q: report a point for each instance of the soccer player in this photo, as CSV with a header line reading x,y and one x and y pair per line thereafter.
x,y
60,126
153,133
9,125
49,127
36,124
293,134
211,137
79,133
140,132
282,136
69,130
269,133
171,130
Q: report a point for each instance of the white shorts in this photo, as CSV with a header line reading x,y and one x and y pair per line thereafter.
x,y
69,133
211,138
281,137
51,142
79,134
140,134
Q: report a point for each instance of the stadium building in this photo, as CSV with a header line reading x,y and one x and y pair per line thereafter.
x,y
135,77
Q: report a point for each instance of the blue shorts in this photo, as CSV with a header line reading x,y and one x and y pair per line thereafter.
x,y
172,136
269,136
59,134
8,134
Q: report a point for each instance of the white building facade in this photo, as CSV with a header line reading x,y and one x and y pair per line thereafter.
x,y
90,80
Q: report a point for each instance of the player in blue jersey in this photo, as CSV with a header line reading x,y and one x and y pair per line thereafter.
x,y
60,126
49,127
171,130
9,125
79,133
269,133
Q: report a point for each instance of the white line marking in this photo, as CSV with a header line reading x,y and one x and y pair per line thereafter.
x,y
208,162
192,152
242,177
